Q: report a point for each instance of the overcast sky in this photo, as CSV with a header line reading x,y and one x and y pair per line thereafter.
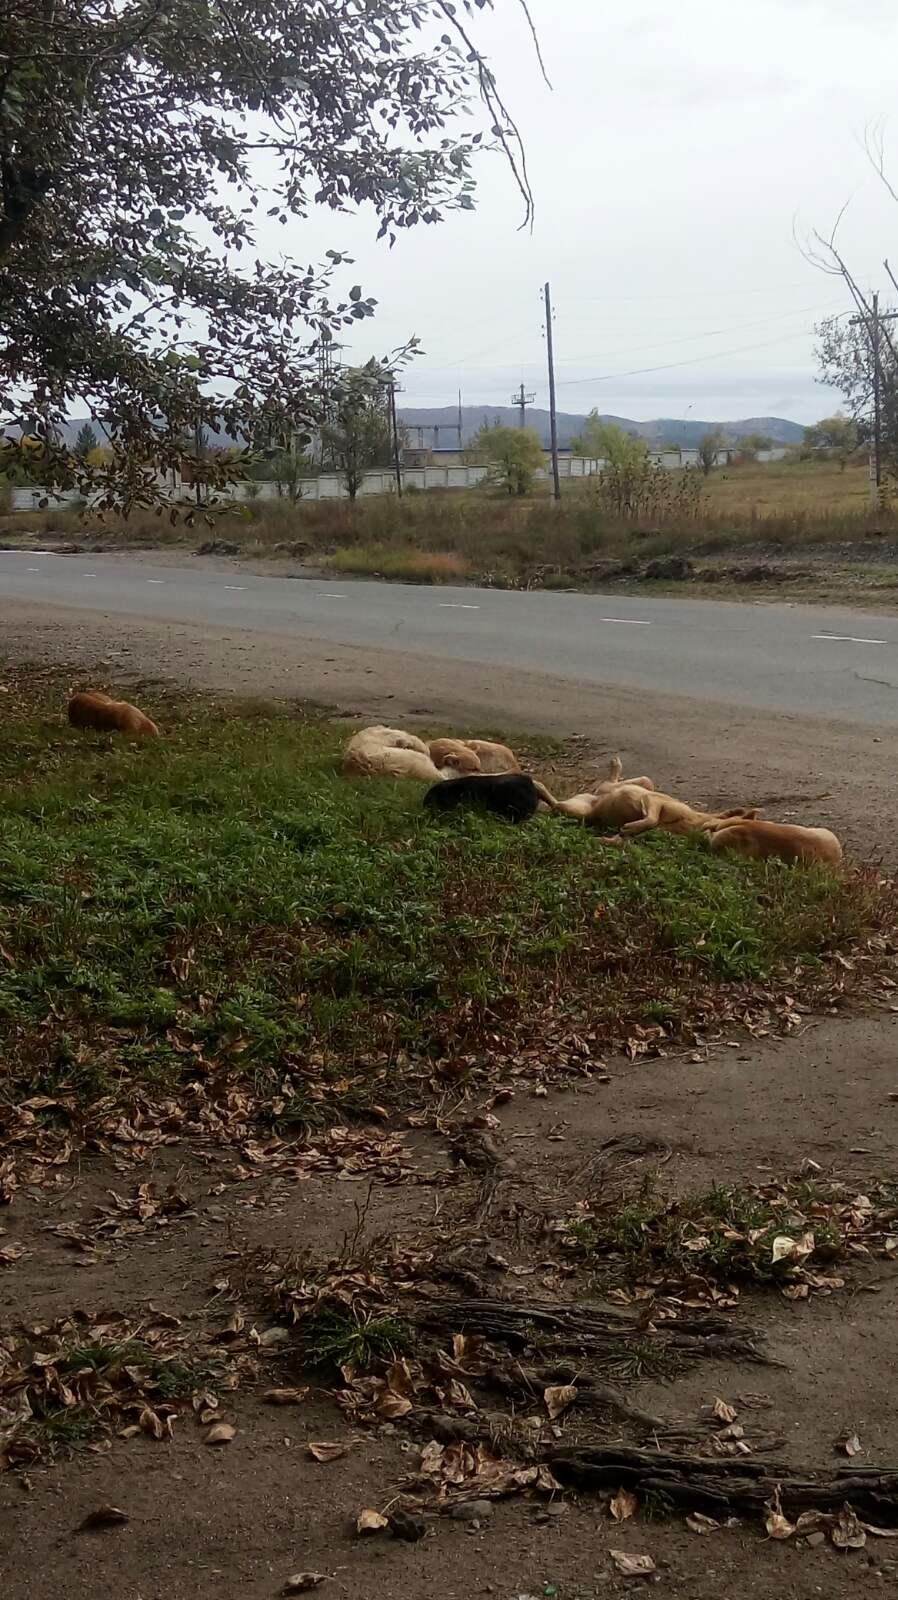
x,y
679,149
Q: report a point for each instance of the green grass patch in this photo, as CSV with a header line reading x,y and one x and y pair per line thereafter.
x,y
416,566
358,1339
225,899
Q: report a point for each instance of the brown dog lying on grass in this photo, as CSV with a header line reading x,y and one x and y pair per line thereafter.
x,y
454,753
635,806
783,840
91,709
474,755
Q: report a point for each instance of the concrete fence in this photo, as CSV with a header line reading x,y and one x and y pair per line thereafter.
x,y
330,486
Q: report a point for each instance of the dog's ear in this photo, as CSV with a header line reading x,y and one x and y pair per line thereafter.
x,y
615,768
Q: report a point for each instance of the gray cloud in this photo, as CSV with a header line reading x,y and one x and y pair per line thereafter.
x,y
670,164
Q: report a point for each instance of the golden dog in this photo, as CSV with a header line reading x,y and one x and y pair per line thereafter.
x,y
91,709
784,840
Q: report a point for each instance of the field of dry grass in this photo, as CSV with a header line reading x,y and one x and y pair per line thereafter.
x,y
779,510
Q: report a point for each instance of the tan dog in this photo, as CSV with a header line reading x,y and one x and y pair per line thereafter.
x,y
390,753
455,754
635,806
784,840
615,777
493,758
91,709
584,805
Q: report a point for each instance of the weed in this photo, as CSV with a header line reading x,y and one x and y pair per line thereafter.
x,y
727,1233
356,1339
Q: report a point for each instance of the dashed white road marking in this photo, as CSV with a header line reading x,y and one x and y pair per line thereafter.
x,y
847,638
155,580
330,594
456,605
32,569
88,574
236,588
27,553
632,622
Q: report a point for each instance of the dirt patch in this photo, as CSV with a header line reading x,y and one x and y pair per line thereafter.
x,y
252,1513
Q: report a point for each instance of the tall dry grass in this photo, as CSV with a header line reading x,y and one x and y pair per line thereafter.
x,y
449,535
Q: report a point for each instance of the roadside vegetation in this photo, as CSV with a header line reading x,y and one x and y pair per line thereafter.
x,y
804,519
225,905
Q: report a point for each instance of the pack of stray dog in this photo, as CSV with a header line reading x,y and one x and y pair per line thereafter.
x,y
477,774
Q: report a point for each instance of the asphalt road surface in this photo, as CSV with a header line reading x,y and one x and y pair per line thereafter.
x,y
827,662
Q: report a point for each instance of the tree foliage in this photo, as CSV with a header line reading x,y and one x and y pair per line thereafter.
x,y
751,443
86,441
709,446
359,434
608,442
838,436
845,359
140,143
515,455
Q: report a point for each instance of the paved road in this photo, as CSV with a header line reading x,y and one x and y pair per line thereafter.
x,y
822,661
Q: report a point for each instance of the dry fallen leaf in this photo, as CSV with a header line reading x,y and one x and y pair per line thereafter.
x,y
150,1422
300,1581
370,1522
846,1532
323,1450
723,1411
221,1433
558,1397
778,1526
104,1517
848,1444
786,1248
623,1505
631,1565
284,1397
699,1523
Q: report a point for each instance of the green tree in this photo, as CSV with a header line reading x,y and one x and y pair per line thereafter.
x,y
515,455
608,442
845,361
140,140
751,443
86,441
839,436
359,434
708,447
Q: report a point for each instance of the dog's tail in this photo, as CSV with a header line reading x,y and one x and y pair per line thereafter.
x,y
544,794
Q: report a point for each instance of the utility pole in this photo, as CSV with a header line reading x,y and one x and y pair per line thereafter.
x,y
522,401
553,424
397,461
873,325
460,439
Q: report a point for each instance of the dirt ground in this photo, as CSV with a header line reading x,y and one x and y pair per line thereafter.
x,y
238,1520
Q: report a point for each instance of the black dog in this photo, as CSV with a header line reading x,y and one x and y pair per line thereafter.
x,y
511,795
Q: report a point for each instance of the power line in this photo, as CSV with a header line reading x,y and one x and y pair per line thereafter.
x,y
693,294
713,333
689,361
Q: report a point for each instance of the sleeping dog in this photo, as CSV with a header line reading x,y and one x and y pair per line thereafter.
x,y
511,795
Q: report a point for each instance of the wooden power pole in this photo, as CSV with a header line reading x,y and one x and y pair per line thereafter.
x,y
553,422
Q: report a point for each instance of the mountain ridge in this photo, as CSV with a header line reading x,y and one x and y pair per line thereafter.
x,y
660,430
